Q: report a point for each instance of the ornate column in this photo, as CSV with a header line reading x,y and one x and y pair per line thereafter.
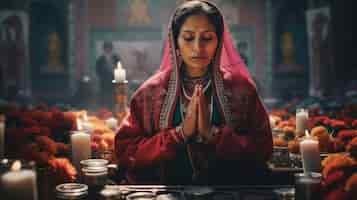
x,y
71,53
269,47
80,32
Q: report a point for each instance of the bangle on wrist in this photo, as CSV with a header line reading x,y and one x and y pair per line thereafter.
x,y
179,130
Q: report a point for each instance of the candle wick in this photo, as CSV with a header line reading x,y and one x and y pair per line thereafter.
x,y
16,166
85,117
79,125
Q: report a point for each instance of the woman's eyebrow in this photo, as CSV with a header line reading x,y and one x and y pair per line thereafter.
x,y
191,31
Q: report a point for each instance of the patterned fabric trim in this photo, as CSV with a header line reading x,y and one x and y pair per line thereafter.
x,y
172,87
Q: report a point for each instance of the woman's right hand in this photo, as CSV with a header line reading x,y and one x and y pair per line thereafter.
x,y
189,124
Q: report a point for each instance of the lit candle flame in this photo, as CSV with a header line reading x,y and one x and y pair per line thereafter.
x,y
119,65
79,124
16,166
307,133
85,117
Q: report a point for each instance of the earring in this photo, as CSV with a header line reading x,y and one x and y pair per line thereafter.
x,y
179,58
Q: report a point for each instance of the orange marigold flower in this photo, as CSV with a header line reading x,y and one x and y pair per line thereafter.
x,y
63,170
351,184
335,177
347,135
62,148
335,162
47,144
352,146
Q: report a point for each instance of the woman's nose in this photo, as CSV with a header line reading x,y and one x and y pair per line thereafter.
x,y
197,46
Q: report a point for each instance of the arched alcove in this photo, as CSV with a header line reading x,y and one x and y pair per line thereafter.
x,y
48,45
290,66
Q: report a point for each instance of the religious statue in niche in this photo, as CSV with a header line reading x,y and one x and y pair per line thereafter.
x,y
139,13
54,48
287,47
12,49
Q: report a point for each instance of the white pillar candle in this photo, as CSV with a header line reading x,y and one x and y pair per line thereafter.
x,y
81,149
112,123
2,137
19,184
119,73
310,154
302,117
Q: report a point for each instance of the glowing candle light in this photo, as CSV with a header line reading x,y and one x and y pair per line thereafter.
x,y
19,183
119,73
302,117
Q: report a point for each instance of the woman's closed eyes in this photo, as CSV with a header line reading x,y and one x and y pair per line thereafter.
x,y
204,39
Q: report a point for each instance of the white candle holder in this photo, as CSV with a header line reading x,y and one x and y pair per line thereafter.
x,y
121,99
308,186
94,172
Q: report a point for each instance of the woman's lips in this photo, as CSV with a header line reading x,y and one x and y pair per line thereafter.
x,y
199,58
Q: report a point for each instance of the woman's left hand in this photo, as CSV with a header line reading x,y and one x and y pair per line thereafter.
x,y
204,125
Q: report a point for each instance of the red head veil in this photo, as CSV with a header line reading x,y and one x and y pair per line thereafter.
x,y
227,66
228,57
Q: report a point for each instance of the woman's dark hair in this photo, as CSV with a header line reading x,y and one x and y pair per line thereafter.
x,y
196,8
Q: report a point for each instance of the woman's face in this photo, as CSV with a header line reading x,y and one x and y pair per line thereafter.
x,y
197,42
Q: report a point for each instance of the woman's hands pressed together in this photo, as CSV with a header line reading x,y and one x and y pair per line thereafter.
x,y
204,121
197,119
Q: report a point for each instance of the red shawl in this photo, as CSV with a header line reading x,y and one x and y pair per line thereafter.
x,y
146,141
